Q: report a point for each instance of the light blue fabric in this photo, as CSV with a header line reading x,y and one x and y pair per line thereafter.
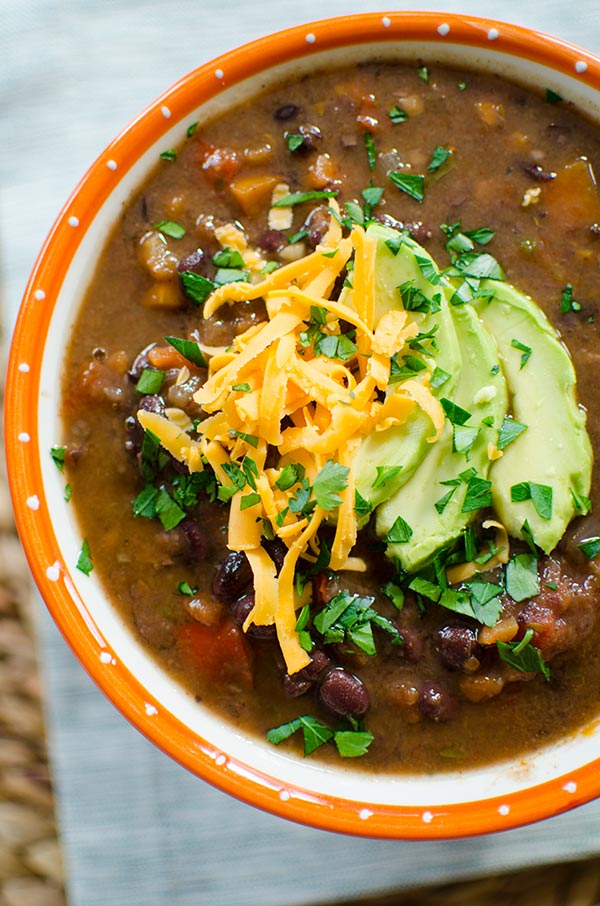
x,y
137,828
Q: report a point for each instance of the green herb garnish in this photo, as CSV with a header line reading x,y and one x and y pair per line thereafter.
x,y
84,560
522,580
170,228
526,350
371,150
509,430
397,115
590,546
189,349
567,302
300,197
400,532
523,656
171,154
57,454
410,183
197,287
184,588
539,494
150,381
438,158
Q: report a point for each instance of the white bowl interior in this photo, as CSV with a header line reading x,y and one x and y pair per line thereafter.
x,y
103,620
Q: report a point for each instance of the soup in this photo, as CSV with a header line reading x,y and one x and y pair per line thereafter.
x,y
347,502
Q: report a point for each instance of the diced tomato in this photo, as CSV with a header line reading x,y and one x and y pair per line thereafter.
x,y
367,118
219,653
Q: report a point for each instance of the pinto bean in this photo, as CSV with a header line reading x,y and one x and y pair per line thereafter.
x,y
232,577
343,694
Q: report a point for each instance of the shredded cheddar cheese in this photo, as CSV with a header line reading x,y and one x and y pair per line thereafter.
x,y
313,390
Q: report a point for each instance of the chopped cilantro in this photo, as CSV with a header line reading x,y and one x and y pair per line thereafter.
x,y
397,115
362,507
462,86
228,258
150,381
197,287
478,495
371,150
414,300
590,546
351,618
231,275
539,494
290,474
438,158
269,267
352,743
170,228
428,269
184,588
581,503
168,155
410,183
191,129
57,454
553,97
300,197
443,502
189,349
251,439
384,474
423,73
372,195
455,414
399,533
68,493
330,481
526,350
349,743
394,593
567,302
528,537
439,378
249,500
84,560
294,141
522,580
464,438
509,430
523,656
242,388
168,510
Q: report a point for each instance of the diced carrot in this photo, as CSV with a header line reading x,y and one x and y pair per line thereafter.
x,y
323,173
572,198
490,114
165,357
253,193
366,117
219,653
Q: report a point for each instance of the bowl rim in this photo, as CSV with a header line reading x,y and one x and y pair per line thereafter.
x,y
33,520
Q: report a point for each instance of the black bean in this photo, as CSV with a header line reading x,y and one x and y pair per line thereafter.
x,y
152,403
139,363
413,644
134,434
241,610
595,229
343,694
457,646
436,703
304,680
311,136
271,240
286,112
232,577
317,224
196,540
537,173
276,550
194,263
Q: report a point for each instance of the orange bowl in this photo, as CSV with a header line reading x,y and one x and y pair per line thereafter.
x,y
469,802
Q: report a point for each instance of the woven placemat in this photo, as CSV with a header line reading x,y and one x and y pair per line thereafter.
x,y
31,869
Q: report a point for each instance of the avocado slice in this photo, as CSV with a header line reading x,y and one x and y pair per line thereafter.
x,y
555,449
396,263
481,391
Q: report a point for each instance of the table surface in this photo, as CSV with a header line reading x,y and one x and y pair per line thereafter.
x,y
136,827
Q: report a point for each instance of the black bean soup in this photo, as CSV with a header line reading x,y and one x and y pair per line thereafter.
x,y
392,676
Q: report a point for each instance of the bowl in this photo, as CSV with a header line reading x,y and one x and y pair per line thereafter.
x,y
461,803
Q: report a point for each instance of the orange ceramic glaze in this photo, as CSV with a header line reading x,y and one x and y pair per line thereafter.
x,y
40,534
